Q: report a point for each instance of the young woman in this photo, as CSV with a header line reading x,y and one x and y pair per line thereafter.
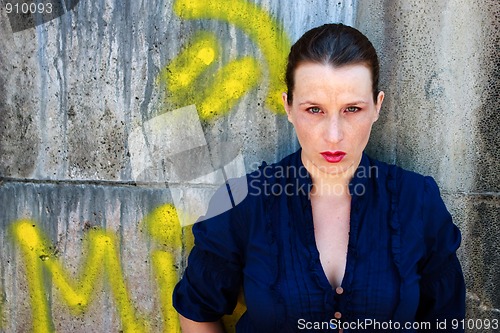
x,y
328,239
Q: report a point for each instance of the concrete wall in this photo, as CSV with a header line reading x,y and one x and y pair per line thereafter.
x,y
440,72
114,113
104,107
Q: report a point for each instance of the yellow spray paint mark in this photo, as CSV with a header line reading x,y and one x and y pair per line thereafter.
x,y
231,83
102,260
102,257
164,266
214,94
180,75
33,251
230,321
265,31
164,227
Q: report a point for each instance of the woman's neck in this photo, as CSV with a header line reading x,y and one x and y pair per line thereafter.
x,y
330,184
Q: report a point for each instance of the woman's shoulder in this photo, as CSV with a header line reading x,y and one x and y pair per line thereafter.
x,y
266,176
243,195
402,181
415,200
279,169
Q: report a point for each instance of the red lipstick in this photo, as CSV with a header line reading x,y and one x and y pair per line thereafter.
x,y
333,157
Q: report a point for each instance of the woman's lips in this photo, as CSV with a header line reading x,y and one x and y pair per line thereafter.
x,y
333,157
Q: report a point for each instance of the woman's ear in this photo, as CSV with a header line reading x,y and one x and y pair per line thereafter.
x,y
287,107
378,106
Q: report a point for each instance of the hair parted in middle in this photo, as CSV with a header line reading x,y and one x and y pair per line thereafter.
x,y
332,44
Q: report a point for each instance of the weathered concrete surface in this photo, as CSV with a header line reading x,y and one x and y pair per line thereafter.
x,y
90,78
440,117
89,162
66,213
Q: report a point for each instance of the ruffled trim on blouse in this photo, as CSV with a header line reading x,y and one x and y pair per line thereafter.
x,y
270,229
395,228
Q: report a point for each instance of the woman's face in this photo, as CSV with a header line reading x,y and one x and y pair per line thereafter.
x,y
333,112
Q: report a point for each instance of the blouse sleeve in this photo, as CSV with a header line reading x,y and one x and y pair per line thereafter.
x,y
212,280
442,287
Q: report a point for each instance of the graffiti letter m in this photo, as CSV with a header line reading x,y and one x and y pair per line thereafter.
x,y
102,259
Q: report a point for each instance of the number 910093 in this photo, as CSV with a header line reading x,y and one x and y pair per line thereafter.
x,y
475,324
28,8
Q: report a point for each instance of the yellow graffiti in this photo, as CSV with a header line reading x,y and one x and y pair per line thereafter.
x,y
102,257
230,84
172,242
215,94
264,30
181,73
165,268
164,227
162,224
188,78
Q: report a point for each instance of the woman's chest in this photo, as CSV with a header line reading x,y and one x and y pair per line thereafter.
x,y
284,271
331,220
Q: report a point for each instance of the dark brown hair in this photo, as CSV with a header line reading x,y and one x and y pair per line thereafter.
x,y
336,45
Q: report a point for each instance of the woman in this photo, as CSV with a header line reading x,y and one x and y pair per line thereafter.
x,y
328,238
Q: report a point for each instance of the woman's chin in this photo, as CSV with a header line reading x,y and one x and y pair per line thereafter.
x,y
329,168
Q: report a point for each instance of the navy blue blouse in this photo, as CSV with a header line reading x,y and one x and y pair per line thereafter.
x,y
402,271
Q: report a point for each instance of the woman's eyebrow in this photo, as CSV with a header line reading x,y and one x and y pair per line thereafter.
x,y
357,102
307,102
347,103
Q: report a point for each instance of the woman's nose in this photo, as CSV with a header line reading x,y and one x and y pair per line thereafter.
x,y
334,129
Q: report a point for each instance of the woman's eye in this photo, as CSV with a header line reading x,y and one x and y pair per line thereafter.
x,y
314,110
352,109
